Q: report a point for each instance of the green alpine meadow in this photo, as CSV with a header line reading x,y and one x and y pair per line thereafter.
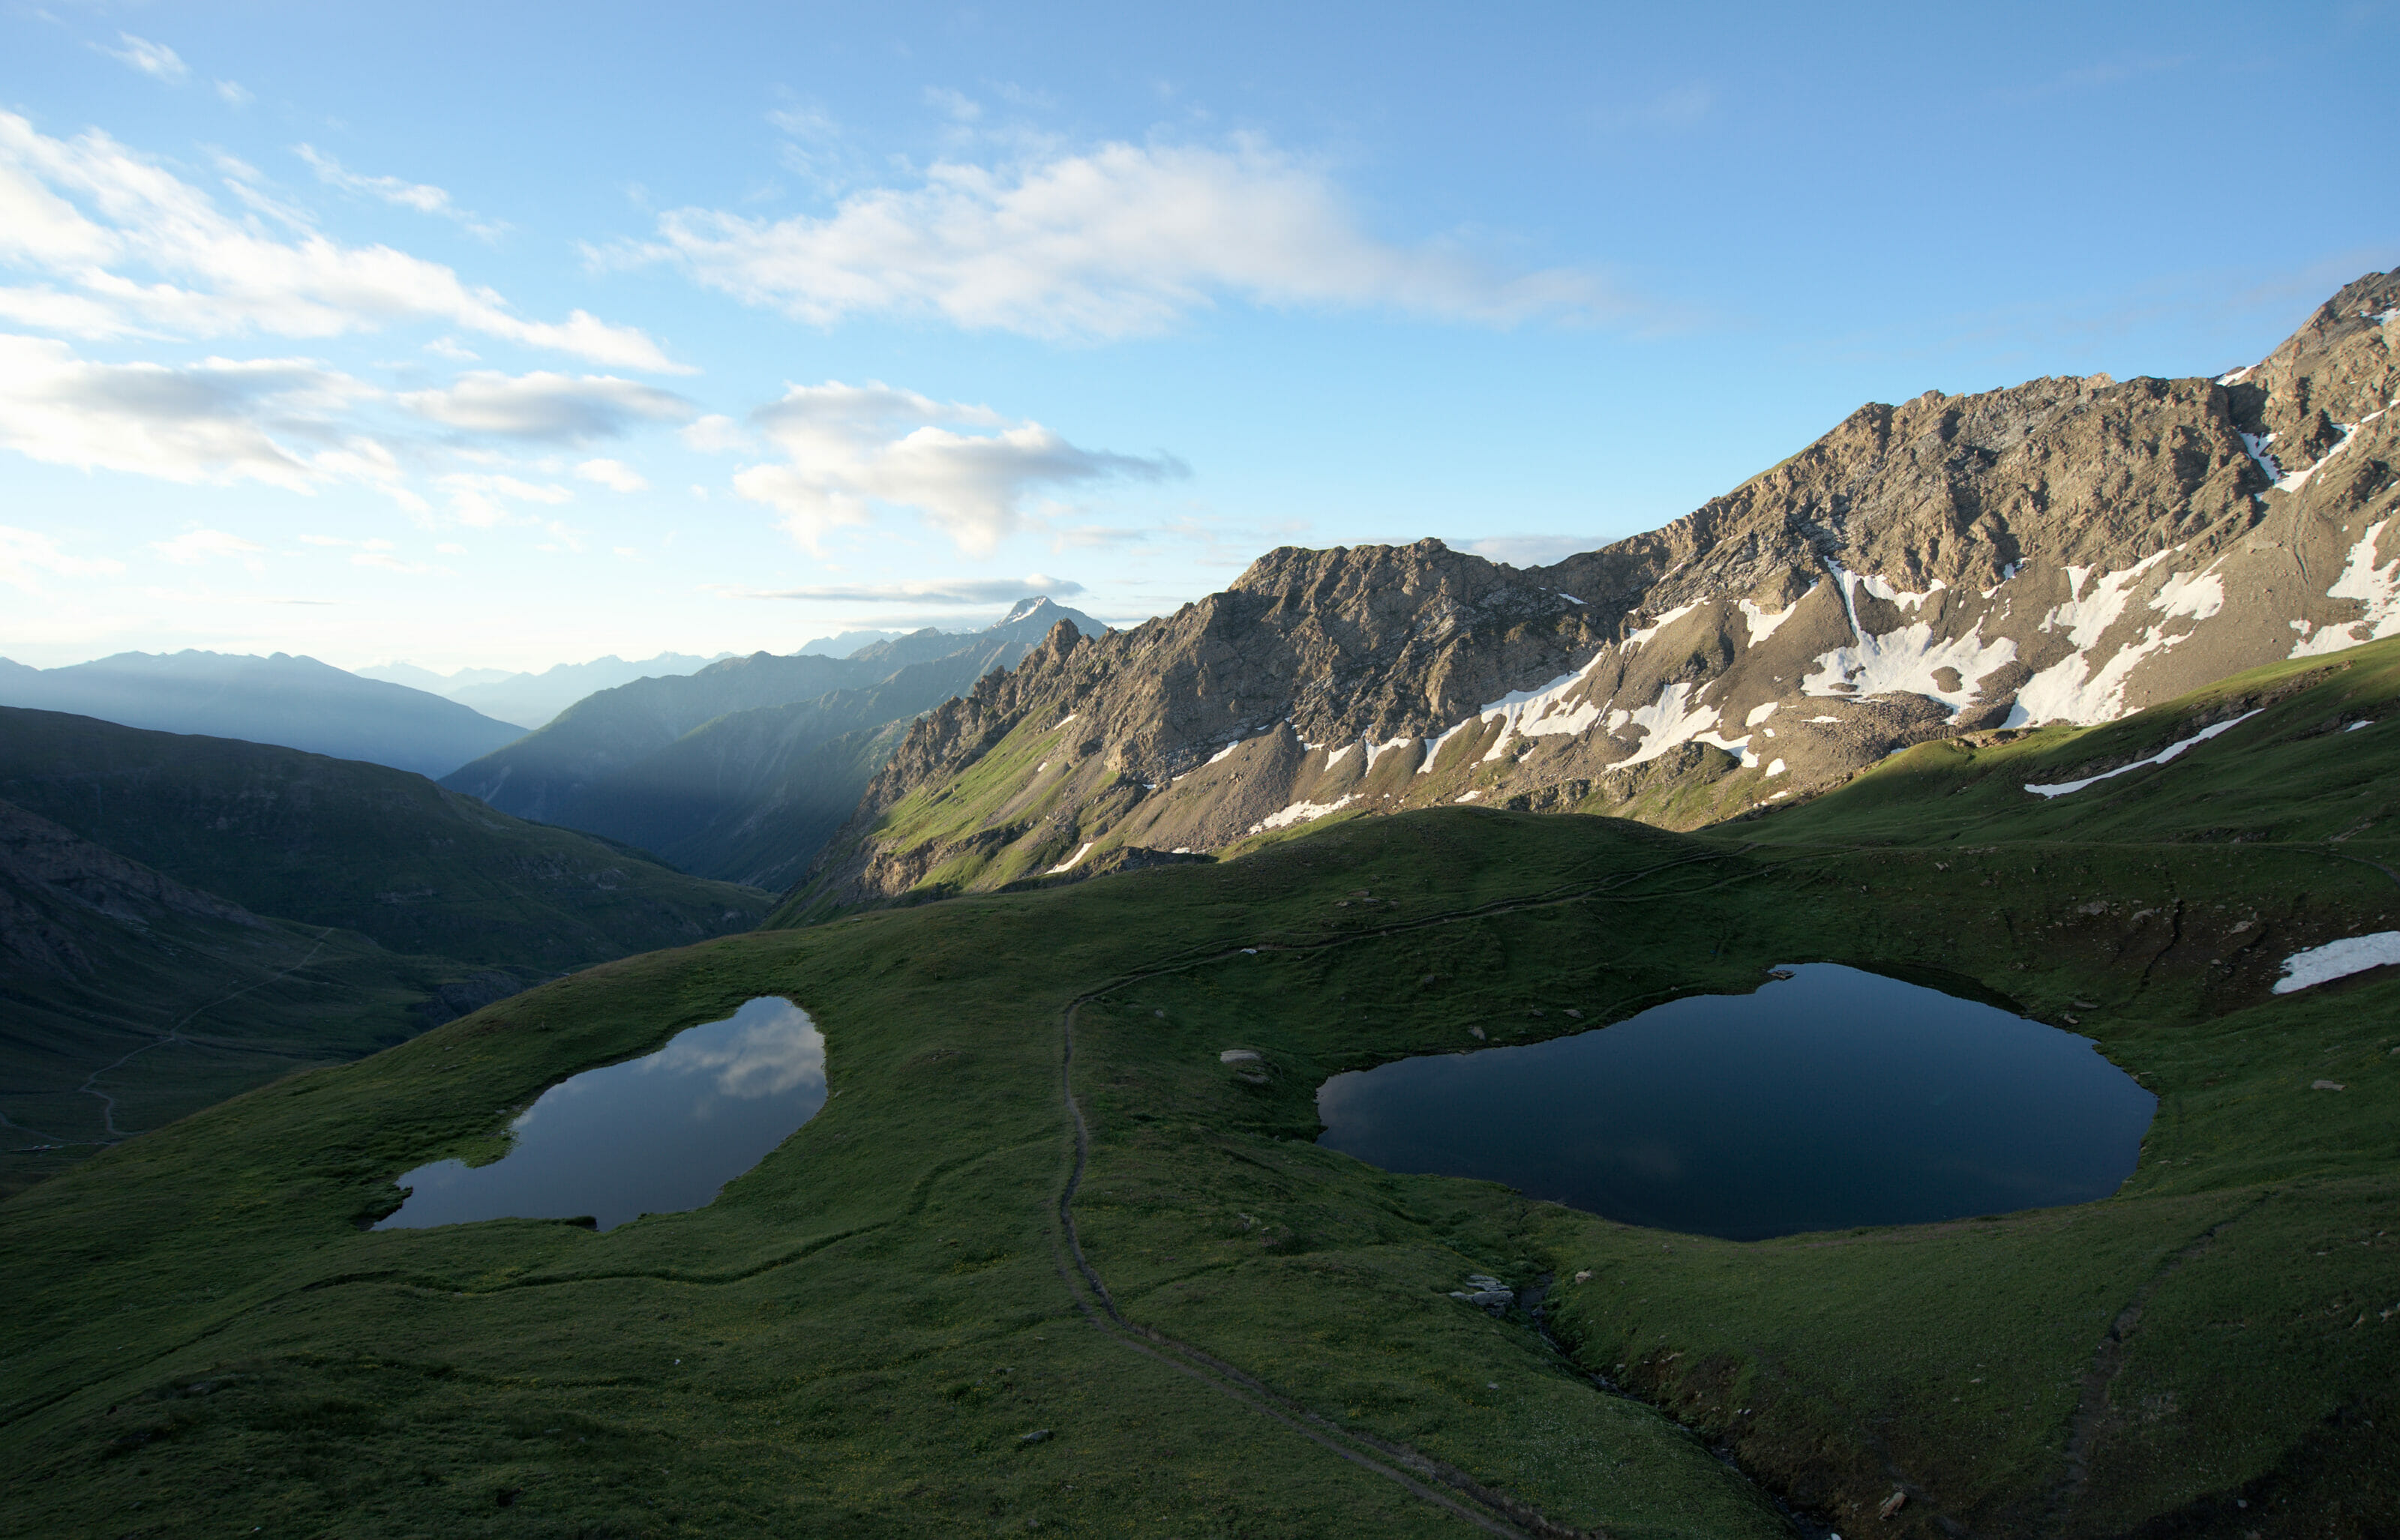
x,y
1047,1262
1576,771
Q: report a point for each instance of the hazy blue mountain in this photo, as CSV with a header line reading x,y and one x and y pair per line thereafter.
x,y
846,643
750,795
297,702
692,764
430,682
530,700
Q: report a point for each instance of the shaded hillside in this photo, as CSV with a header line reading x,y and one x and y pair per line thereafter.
x,y
531,700
336,842
701,769
297,702
1078,1221
753,795
2062,551
127,1000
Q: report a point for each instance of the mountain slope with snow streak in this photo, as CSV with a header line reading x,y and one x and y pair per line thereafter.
x,y
2065,551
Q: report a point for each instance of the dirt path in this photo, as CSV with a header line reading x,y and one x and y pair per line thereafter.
x,y
176,1034
1494,1512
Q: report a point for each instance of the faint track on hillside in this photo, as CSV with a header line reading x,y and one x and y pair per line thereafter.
x,y
176,1034
1488,1509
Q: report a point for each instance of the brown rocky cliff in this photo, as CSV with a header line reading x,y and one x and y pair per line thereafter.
x,y
2061,549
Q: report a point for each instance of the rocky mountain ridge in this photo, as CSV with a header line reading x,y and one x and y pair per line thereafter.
x,y
740,769
2061,551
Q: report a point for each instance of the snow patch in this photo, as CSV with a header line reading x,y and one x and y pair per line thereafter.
x,y
1300,812
1226,749
1890,594
2298,479
1764,622
1906,660
2339,959
1635,638
1760,714
1674,718
2355,726
1341,753
1835,720
2071,690
2170,751
1776,768
1069,717
1069,864
2377,588
1468,795
1537,713
1376,751
1564,595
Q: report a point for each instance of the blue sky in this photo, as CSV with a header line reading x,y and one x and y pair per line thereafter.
x,y
510,335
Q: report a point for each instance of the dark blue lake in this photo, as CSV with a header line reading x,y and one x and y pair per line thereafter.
x,y
1833,1098
651,1136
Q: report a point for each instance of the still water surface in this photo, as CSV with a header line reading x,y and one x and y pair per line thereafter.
x,y
651,1136
1833,1098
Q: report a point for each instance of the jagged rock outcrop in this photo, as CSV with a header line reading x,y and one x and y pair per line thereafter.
x,y
2061,551
50,877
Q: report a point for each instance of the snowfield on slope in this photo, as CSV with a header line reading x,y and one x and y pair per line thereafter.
x,y
2339,959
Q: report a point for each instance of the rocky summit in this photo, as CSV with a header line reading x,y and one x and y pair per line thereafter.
x,y
2064,551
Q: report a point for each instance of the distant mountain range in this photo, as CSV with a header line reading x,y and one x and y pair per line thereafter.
x,y
213,912
530,700
2065,551
741,769
297,702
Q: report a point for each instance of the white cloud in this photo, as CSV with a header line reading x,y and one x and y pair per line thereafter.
x,y
482,500
218,420
1124,239
973,591
849,447
233,94
126,248
616,476
554,408
25,552
152,59
195,546
422,196
1529,549
716,435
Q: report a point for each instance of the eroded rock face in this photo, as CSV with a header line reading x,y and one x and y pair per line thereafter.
x,y
2066,550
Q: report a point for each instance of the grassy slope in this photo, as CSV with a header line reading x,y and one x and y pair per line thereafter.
x,y
340,842
181,1012
868,1322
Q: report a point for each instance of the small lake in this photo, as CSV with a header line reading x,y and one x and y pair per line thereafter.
x,y
1830,1098
651,1136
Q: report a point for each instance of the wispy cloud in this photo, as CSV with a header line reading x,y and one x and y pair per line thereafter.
x,y
482,500
1123,240
548,407
1529,549
26,555
155,60
847,448
220,420
422,196
2095,75
973,590
616,476
195,546
123,247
